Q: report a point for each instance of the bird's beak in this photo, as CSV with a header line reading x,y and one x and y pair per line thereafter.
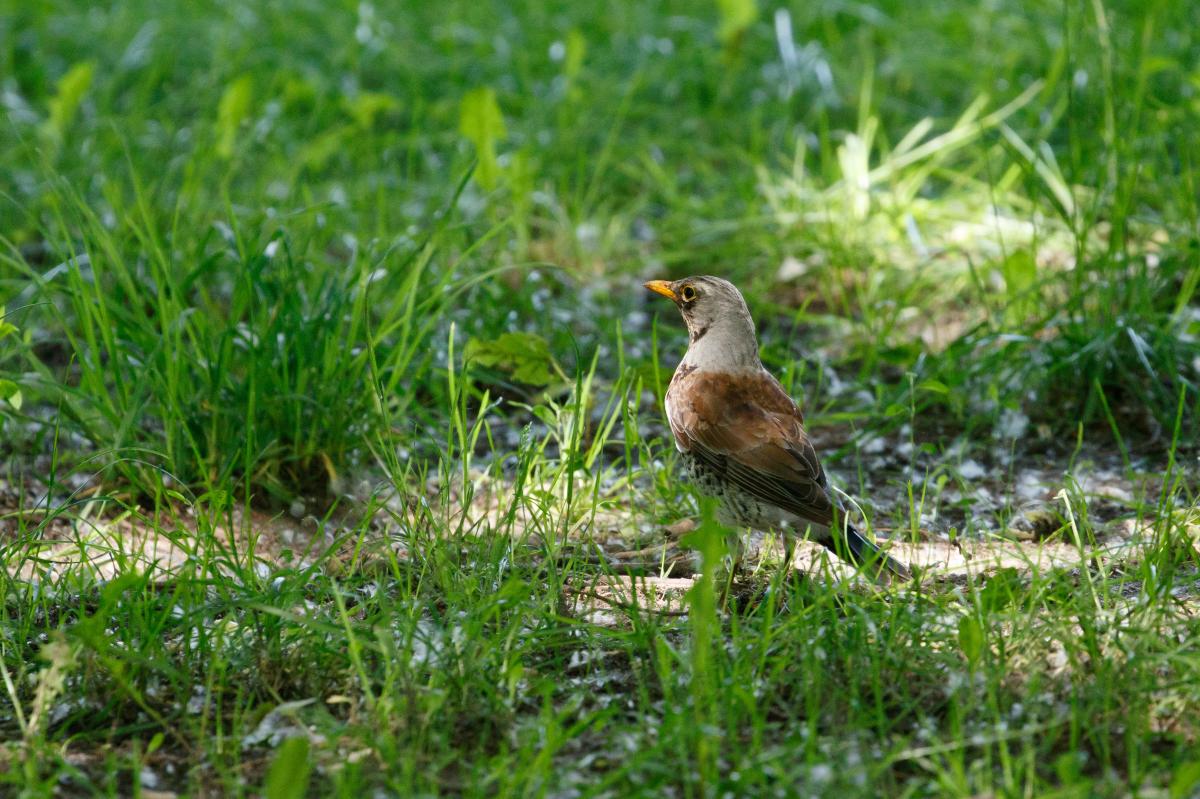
x,y
662,287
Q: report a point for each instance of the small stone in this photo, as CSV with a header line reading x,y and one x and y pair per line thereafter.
x,y
681,527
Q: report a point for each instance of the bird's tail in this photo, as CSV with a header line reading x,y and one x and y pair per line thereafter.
x,y
870,557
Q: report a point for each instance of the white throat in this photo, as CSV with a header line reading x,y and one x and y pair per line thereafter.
x,y
725,347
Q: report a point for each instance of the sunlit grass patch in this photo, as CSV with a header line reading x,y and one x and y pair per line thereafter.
x,y
942,250
453,639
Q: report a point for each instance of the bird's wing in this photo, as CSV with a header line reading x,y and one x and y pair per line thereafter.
x,y
747,428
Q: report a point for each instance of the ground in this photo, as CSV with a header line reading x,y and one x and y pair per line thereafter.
x,y
332,454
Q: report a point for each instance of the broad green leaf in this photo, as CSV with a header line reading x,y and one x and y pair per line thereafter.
x,y
290,771
1187,777
736,17
481,123
6,327
970,638
1020,273
366,107
72,88
10,392
1066,766
231,112
576,49
317,152
298,93
526,356
480,118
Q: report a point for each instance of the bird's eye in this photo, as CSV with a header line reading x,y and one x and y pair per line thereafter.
x,y
688,294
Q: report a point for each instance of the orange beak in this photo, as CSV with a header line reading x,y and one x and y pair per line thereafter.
x,y
662,287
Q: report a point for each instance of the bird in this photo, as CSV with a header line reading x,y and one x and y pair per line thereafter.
x,y
741,436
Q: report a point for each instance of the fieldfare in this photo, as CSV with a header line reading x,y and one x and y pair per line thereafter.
x,y
740,435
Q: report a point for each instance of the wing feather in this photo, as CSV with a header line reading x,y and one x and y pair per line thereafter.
x,y
748,429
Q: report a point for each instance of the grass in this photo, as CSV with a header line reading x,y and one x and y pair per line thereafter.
x,y
341,404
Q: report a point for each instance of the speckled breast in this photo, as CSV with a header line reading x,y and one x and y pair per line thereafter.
x,y
736,507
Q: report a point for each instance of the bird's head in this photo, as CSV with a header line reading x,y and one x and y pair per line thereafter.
x,y
710,305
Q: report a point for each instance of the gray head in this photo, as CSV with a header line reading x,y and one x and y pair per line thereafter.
x,y
718,321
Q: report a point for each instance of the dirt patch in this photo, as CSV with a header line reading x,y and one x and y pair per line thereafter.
x,y
635,562
92,542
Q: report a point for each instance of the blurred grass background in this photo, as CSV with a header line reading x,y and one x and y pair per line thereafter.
x,y
221,183
245,247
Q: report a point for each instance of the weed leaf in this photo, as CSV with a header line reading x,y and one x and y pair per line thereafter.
x,y
290,771
10,392
1187,777
72,88
525,356
6,328
481,123
1020,273
367,107
736,17
576,49
970,638
231,111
